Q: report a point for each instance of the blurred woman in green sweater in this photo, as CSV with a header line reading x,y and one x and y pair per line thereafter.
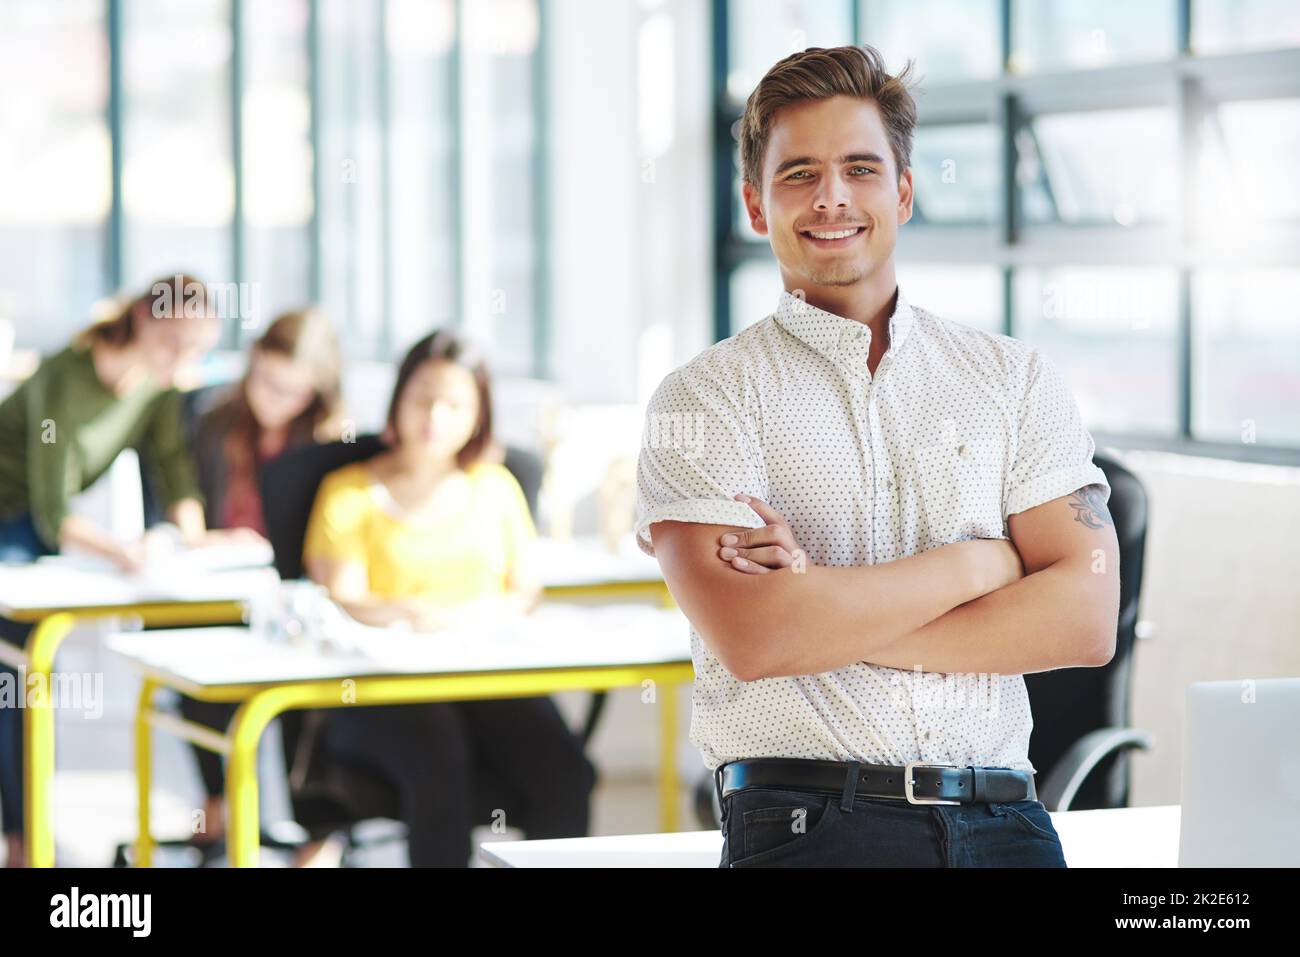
x,y
113,388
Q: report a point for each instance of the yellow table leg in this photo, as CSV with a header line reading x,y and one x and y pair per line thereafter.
x,y
668,757
38,737
243,838
144,843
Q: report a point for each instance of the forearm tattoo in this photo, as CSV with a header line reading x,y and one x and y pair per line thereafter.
x,y
1089,504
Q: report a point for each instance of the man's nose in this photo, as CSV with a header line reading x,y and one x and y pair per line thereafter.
x,y
833,192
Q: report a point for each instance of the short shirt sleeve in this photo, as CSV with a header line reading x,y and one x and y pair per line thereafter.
x,y
1054,451
336,528
698,449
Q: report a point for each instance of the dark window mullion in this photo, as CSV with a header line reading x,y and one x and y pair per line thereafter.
x,y
116,265
723,176
237,265
457,164
387,336
317,185
541,205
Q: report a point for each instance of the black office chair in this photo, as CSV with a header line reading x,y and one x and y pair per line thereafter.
x,y
1081,740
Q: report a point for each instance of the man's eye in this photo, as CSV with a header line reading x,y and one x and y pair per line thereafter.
x,y
798,173
862,169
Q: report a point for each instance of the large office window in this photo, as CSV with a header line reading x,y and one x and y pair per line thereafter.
x,y
1110,180
178,171
420,36
500,176
1086,34
381,157
1102,167
352,182
1247,351
55,184
278,163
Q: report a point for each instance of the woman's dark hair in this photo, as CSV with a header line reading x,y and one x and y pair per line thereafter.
x,y
446,345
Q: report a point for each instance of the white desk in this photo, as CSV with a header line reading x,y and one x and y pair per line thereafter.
x,y
56,584
554,636
559,647
57,592
1124,837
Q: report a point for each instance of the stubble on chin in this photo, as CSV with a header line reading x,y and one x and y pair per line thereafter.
x,y
845,274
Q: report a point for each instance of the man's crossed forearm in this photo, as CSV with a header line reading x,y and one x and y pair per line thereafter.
x,y
1061,614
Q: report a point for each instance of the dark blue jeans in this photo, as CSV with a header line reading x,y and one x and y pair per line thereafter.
x,y
19,543
764,827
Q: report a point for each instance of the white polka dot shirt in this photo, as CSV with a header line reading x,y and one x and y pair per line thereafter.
x,y
957,429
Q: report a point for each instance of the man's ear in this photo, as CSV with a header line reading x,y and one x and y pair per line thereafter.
x,y
754,206
905,196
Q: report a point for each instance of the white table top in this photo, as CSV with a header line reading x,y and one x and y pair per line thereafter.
x,y
1124,837
554,636
60,583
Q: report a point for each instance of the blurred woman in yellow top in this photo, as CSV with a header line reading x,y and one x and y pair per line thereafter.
x,y
430,533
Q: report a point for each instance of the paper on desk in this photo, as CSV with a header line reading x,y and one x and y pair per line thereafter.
x,y
553,636
167,565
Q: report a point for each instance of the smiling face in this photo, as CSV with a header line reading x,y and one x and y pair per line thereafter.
x,y
170,344
438,409
831,199
277,389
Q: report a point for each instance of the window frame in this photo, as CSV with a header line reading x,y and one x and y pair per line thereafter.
x,y
1190,84
380,346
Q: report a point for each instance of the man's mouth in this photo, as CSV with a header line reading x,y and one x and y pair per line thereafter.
x,y
832,238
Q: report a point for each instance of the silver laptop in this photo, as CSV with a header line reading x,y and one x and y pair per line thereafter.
x,y
1241,774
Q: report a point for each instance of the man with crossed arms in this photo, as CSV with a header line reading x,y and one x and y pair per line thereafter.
x,y
875,520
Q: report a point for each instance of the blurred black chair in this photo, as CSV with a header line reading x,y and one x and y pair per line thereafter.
x,y
1081,741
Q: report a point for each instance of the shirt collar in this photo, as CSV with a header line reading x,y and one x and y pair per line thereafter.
x,y
830,334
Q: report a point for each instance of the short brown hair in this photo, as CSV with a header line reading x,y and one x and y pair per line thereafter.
x,y
818,74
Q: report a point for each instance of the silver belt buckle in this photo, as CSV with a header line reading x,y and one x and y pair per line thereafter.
x,y
908,782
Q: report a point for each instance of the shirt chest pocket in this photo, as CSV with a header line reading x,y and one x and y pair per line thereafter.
x,y
958,486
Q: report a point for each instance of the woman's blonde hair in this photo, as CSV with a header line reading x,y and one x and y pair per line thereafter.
x,y
304,336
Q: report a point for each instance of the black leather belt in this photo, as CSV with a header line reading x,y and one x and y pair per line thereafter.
x,y
917,782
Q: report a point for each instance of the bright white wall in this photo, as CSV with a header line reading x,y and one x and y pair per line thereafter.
x,y
630,193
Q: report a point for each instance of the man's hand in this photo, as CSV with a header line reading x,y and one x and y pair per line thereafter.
x,y
994,562
757,551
